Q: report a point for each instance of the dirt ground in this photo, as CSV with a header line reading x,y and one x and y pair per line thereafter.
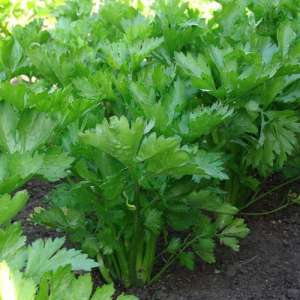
x,y
266,267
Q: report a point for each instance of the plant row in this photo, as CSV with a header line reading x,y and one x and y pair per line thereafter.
x,y
164,125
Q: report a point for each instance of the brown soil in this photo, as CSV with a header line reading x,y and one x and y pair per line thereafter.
x,y
267,266
37,191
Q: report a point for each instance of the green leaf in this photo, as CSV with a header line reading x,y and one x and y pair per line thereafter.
x,y
142,49
291,94
278,140
14,286
237,228
174,245
115,54
204,247
202,121
224,220
187,259
230,242
209,201
11,54
11,245
198,69
210,164
153,221
52,217
9,119
285,37
62,284
10,207
205,228
82,288
232,231
176,101
55,165
117,138
34,130
97,86
13,94
155,146
23,132
45,256
86,88
165,156
76,196
104,293
16,168
229,15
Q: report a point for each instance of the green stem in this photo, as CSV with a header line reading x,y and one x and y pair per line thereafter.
x,y
215,137
134,250
268,212
116,266
137,237
139,260
103,270
145,269
172,259
149,257
256,198
234,190
124,270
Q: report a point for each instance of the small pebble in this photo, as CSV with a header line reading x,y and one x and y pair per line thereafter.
x,y
285,242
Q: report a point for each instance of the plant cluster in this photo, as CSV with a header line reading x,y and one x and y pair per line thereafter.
x,y
42,270
164,124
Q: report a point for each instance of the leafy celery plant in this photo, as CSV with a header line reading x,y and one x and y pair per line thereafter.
x,y
191,117
135,185
41,270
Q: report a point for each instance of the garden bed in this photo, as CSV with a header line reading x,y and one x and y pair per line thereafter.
x,y
266,267
160,133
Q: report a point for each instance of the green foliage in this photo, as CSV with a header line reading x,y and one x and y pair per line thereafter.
x,y
43,270
10,206
22,11
171,122
41,256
